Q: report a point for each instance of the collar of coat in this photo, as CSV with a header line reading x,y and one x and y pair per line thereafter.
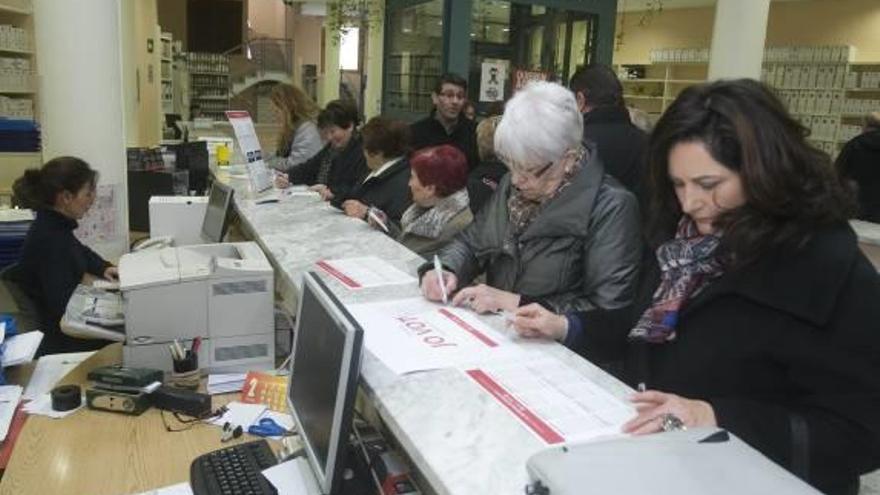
x,y
804,281
565,214
607,115
56,220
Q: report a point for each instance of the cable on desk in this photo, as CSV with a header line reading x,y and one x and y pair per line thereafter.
x,y
190,422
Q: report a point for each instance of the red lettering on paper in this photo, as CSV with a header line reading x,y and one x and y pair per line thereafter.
x,y
531,420
468,328
345,279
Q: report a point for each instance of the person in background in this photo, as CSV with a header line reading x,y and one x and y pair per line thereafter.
x,y
386,144
340,165
299,139
764,318
469,111
446,124
440,201
621,145
640,119
859,162
53,262
484,179
557,232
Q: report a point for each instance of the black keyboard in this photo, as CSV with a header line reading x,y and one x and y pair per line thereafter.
x,y
234,470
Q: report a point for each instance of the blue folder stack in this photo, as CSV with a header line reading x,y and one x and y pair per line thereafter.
x,y
14,225
19,135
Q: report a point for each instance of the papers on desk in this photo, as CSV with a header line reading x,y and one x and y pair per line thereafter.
x,y
241,414
413,334
49,370
9,397
42,406
21,348
222,383
287,478
178,489
366,272
552,400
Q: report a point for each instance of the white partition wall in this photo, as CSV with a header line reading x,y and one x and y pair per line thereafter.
x,y
79,62
738,39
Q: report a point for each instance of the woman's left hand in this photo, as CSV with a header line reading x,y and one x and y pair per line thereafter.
x,y
355,208
111,273
652,406
484,299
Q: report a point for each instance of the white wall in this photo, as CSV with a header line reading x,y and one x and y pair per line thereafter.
x,y
79,61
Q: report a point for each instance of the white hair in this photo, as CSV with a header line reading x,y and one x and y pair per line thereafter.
x,y
540,123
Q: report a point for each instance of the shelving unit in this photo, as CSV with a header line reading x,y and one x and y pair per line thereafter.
x,y
411,79
18,91
653,87
167,72
824,90
209,84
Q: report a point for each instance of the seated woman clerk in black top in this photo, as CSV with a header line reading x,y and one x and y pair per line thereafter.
x,y
765,315
53,261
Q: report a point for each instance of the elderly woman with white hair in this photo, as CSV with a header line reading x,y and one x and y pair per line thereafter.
x,y
558,231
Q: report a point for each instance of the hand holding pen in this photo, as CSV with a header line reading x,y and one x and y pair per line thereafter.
x,y
436,283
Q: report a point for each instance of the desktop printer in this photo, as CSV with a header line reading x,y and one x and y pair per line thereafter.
x,y
222,293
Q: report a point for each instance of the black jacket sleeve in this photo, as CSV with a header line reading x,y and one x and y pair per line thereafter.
x,y
95,264
307,172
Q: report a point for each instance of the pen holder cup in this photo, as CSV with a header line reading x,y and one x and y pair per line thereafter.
x,y
186,373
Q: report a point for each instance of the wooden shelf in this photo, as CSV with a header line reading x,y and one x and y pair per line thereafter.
x,y
13,165
16,91
198,73
646,80
21,7
643,97
16,51
863,90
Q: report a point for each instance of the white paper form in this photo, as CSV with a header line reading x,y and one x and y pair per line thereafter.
x,y
260,175
414,334
552,400
178,489
9,397
287,478
21,348
365,272
49,370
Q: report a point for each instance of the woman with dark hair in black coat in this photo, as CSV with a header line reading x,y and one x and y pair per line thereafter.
x,y
765,319
53,261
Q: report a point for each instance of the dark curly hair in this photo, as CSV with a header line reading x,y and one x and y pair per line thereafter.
x,y
790,187
38,188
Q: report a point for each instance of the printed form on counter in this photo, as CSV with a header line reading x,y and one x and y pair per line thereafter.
x,y
553,400
365,272
414,334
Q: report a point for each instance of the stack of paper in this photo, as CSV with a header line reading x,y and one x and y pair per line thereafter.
x,y
21,348
222,383
50,369
42,406
9,397
241,414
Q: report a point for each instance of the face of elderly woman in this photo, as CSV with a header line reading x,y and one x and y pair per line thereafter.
x,y
538,181
704,187
422,195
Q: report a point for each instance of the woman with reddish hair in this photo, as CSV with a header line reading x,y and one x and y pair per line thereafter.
x,y
440,201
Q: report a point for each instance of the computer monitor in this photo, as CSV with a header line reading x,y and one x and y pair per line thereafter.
x,y
324,373
217,213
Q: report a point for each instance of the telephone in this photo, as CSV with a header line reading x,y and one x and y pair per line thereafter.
x,y
155,243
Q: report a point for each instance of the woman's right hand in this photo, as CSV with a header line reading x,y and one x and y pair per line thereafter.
x,y
431,285
282,180
536,321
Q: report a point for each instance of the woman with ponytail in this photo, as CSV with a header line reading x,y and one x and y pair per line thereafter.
x,y
53,261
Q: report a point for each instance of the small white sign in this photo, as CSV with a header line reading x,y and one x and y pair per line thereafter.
x,y
492,80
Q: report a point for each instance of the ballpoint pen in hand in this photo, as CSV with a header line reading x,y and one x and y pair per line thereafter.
x,y
438,270
373,216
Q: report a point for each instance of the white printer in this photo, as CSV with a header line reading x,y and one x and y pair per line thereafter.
x,y
220,292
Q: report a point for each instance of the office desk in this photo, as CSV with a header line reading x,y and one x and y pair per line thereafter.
x,y
103,453
460,439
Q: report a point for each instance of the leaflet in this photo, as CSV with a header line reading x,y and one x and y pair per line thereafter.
x,y
365,272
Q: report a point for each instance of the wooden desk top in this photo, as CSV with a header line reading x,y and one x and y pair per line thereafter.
x,y
104,453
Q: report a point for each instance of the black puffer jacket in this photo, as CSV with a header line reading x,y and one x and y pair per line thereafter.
x,y
859,161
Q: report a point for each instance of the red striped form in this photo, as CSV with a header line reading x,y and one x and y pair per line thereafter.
x,y
531,420
468,328
345,279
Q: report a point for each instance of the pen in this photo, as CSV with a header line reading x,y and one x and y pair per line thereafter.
x,y
195,345
377,220
438,269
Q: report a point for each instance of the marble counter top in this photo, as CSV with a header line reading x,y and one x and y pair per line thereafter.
x,y
869,233
462,440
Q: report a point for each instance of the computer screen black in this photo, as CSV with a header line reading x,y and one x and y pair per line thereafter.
x,y
217,213
323,382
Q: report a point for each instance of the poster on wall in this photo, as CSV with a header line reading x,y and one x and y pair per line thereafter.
x,y
492,79
521,77
99,223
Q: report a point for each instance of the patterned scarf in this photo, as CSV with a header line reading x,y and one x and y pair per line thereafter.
x,y
522,211
429,222
688,264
